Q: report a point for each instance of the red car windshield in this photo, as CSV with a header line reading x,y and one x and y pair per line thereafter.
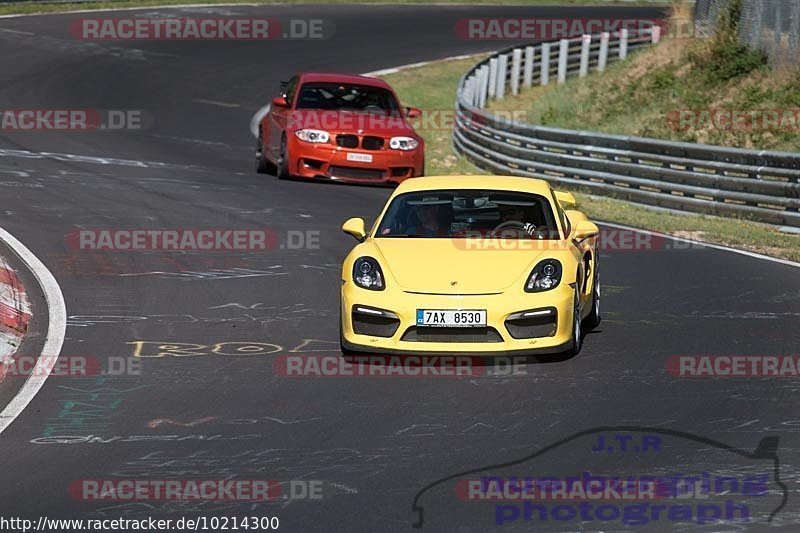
x,y
347,97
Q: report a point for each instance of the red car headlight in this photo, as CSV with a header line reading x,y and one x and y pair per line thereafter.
x,y
313,136
403,143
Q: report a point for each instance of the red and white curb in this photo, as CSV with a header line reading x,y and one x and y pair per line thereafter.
x,y
56,327
15,315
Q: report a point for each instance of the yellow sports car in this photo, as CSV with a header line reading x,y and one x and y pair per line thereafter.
x,y
477,265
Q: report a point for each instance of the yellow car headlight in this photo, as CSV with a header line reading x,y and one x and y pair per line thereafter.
x,y
367,274
546,275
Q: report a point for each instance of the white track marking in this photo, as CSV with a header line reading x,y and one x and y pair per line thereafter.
x,y
704,244
5,30
395,70
56,327
74,158
214,102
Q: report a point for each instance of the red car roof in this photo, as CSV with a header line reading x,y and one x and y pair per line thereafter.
x,y
332,77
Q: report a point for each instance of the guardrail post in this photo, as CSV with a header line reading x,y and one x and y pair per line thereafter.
x,y
484,85
472,84
602,58
586,42
515,68
623,43
492,76
502,72
465,90
528,74
655,34
563,53
545,64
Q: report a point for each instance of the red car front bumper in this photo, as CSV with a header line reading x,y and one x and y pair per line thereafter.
x,y
328,161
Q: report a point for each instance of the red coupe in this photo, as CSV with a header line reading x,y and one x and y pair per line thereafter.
x,y
339,127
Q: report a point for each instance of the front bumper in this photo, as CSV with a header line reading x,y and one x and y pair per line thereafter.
x,y
327,161
550,333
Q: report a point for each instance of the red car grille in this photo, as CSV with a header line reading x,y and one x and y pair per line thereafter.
x,y
355,173
347,141
368,142
372,143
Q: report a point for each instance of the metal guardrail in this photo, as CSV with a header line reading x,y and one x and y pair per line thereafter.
x,y
758,185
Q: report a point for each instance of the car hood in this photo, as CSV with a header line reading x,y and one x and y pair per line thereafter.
x,y
447,266
348,122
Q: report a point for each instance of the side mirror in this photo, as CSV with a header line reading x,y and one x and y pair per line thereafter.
x,y
585,229
355,227
565,199
280,101
413,112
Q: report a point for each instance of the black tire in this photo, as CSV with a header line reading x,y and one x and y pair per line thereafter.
x,y
577,334
263,165
593,320
283,161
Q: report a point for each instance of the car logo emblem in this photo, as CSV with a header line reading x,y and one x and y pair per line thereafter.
x,y
453,283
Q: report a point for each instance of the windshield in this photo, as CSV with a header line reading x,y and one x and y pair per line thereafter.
x,y
344,96
468,213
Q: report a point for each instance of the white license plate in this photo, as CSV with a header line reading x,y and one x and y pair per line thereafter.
x,y
362,158
448,318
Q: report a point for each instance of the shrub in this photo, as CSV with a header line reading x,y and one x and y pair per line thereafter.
x,y
725,57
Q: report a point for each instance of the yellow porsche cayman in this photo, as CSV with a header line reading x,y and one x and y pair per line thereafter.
x,y
478,265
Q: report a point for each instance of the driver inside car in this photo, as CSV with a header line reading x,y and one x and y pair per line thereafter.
x,y
432,220
510,213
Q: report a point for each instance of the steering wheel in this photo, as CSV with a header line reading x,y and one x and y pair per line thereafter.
x,y
507,225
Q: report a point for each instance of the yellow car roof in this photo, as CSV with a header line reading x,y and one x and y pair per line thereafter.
x,y
503,183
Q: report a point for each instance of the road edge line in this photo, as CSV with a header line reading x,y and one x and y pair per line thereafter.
x,y
56,330
704,244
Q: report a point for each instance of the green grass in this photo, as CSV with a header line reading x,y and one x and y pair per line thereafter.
x,y
43,7
432,88
645,95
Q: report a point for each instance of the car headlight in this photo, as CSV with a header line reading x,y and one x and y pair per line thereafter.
x,y
367,274
313,136
546,275
403,143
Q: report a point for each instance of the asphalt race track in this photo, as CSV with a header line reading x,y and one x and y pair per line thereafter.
x,y
217,409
